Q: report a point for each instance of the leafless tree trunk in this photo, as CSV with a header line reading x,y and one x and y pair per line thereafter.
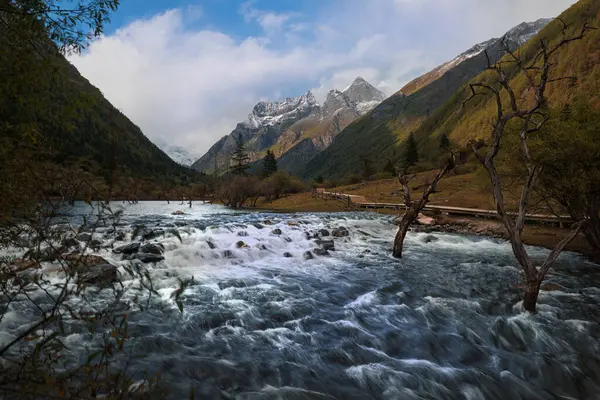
x,y
414,208
532,119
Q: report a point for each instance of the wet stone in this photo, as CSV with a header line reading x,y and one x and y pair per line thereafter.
x,y
308,255
258,226
262,247
276,231
129,248
320,252
430,239
287,239
340,232
152,248
242,233
326,244
211,245
70,242
287,255
227,254
240,244
324,232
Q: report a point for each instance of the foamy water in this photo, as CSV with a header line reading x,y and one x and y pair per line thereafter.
x,y
444,322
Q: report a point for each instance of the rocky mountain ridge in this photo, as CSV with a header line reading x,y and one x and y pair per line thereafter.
x,y
281,125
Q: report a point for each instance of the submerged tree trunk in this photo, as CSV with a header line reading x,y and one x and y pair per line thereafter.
x,y
403,226
415,208
530,296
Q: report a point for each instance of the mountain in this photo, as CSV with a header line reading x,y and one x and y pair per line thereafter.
x,y
295,129
179,154
579,59
47,100
378,135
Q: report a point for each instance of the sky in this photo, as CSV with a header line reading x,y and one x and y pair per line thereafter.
x,y
187,71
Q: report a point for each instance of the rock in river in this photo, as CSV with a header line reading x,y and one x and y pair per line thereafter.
x,y
340,232
129,248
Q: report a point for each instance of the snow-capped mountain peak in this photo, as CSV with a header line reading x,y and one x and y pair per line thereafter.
x,y
523,32
361,91
179,154
267,113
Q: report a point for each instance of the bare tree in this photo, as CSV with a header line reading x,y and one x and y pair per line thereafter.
x,y
415,207
531,116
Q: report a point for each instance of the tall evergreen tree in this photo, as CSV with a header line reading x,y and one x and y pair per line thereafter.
x,y
444,142
269,164
239,158
389,167
411,153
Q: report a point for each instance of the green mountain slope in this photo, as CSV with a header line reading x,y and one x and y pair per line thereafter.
x,y
46,103
580,59
378,136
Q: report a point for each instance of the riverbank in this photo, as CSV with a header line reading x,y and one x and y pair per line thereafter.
x,y
534,235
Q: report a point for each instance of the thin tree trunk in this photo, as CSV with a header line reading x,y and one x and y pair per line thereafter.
x,y
405,223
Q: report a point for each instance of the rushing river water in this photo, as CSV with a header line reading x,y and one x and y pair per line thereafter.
x,y
444,322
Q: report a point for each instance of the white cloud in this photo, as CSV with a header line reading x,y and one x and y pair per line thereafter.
x,y
190,86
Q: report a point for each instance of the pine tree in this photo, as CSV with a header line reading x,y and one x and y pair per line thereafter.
x,y
269,164
444,142
411,153
319,180
389,167
240,158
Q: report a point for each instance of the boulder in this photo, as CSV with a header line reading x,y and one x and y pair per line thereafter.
x,y
242,233
425,220
267,222
320,252
430,238
340,232
276,231
308,255
152,248
211,245
240,244
178,212
326,244
258,226
324,232
98,274
129,248
149,233
287,255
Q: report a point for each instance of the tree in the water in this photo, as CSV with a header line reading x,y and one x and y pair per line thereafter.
x,y
413,208
530,115
444,142
411,152
269,164
239,158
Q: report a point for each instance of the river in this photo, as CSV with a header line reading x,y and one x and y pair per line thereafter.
x,y
445,322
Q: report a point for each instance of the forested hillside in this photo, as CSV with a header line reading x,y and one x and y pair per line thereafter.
x,y
51,115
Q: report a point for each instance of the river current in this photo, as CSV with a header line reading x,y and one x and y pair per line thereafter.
x,y
445,322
